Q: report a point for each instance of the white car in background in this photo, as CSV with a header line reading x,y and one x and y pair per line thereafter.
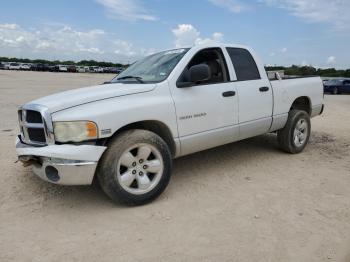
x,y
5,65
99,70
96,69
62,68
24,66
14,66
80,69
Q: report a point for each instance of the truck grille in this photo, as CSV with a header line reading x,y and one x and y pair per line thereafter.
x,y
33,117
35,125
36,135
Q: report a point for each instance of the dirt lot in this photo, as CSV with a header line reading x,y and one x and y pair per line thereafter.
x,y
240,202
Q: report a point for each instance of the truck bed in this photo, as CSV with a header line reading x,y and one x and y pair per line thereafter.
x,y
286,90
287,77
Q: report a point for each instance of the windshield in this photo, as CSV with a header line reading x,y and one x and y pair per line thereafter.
x,y
334,82
152,69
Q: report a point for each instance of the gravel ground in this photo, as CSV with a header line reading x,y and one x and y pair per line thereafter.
x,y
245,201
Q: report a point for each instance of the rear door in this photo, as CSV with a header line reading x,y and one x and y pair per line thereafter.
x,y
254,91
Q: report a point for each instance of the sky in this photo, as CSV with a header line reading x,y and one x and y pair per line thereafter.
x,y
283,32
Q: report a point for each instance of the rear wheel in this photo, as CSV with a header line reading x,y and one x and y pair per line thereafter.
x,y
136,167
294,137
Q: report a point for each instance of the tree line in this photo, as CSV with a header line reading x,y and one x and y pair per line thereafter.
x,y
309,70
58,62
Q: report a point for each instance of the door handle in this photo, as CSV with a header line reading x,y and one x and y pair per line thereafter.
x,y
264,89
228,93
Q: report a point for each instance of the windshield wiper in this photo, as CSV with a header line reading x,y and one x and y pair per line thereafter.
x,y
138,78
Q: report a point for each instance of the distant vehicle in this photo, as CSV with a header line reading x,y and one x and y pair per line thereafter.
x,y
14,66
2,66
24,66
53,68
96,69
80,69
6,65
119,70
337,86
40,67
71,69
112,70
107,70
33,67
62,68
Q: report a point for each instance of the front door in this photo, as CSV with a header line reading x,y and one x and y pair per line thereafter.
x,y
206,111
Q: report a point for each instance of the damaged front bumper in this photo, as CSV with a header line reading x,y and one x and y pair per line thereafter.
x,y
61,164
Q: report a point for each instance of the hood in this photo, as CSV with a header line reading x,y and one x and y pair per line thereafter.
x,y
85,95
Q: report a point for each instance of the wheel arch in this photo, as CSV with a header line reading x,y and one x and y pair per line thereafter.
x,y
154,126
302,103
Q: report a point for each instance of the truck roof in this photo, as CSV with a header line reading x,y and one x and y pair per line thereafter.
x,y
213,44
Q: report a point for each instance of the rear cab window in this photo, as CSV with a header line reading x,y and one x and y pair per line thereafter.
x,y
244,64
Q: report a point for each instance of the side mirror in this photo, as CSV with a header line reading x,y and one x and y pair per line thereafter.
x,y
196,74
199,73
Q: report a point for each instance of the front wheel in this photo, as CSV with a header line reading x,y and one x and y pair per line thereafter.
x,y
294,137
136,167
335,91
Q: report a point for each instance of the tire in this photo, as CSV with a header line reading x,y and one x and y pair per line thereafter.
x,y
335,91
136,167
291,138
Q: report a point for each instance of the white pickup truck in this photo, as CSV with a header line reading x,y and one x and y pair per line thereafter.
x,y
173,103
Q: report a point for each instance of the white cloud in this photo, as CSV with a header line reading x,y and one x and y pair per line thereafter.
x,y
188,35
9,26
331,60
232,5
128,10
43,45
218,37
335,12
284,50
66,43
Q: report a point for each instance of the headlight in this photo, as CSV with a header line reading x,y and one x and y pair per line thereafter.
x,y
75,131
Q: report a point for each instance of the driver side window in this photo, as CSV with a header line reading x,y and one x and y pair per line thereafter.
x,y
214,59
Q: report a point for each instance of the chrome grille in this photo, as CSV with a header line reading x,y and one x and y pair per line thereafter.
x,y
35,125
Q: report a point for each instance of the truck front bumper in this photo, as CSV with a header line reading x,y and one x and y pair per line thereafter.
x,y
61,164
